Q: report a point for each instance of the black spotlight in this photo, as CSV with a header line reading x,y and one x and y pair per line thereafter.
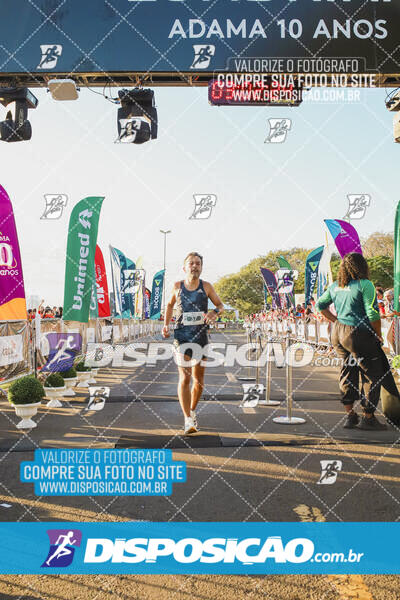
x,y
19,128
137,118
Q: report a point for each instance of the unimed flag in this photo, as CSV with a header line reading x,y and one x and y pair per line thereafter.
x,y
12,292
79,266
103,301
156,295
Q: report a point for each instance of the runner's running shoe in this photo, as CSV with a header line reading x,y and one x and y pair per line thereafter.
x,y
189,426
194,417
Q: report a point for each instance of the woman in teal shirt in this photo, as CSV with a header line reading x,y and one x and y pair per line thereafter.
x,y
356,333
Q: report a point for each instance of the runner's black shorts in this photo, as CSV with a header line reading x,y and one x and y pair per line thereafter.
x,y
187,345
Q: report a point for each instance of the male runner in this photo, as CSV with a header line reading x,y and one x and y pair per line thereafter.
x,y
190,333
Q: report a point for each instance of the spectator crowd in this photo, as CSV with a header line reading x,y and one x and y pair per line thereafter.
x,y
45,312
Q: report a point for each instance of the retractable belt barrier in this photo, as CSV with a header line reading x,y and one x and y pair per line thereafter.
x,y
314,333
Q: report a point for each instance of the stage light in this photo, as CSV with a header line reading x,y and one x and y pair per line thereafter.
x,y
137,118
63,89
18,129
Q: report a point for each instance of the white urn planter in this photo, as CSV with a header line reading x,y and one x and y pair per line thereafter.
x,y
54,393
70,382
26,411
83,378
93,373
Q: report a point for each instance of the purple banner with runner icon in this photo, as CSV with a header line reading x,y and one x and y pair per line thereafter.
x,y
63,347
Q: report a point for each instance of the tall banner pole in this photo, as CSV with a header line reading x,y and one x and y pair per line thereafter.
x,y
397,259
164,279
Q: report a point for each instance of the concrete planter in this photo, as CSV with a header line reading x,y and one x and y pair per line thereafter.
x,y
26,411
54,393
83,378
70,382
93,373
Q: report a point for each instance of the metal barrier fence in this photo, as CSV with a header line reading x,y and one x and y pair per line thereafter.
x,y
19,339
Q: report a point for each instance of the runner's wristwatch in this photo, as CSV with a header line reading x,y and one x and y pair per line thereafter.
x,y
216,310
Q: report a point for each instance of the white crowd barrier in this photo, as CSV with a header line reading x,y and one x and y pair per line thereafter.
x,y
18,339
319,332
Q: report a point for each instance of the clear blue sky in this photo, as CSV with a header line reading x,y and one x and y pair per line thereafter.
x,y
269,195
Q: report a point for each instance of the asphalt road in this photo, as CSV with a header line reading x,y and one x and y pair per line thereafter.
x,y
244,468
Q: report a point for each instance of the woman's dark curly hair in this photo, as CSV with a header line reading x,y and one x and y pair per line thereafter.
x,y
353,266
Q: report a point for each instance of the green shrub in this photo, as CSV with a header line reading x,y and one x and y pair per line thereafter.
x,y
54,380
80,366
26,390
69,374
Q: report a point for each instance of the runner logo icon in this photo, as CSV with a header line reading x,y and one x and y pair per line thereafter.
x,y
358,204
203,205
203,54
62,547
329,471
50,55
278,129
55,204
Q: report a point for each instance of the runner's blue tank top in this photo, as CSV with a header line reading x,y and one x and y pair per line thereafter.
x,y
187,301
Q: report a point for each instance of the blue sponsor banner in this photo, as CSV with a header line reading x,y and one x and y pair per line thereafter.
x,y
172,35
157,294
129,285
311,271
199,548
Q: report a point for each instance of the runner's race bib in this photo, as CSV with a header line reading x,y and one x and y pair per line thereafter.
x,y
193,318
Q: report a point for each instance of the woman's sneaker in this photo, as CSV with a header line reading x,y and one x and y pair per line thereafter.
x,y
189,426
351,421
371,424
